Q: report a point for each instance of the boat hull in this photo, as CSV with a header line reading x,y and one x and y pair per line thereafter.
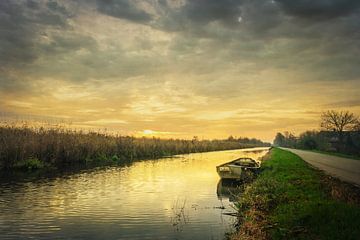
x,y
234,171
227,172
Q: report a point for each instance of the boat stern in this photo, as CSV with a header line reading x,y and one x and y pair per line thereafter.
x,y
229,172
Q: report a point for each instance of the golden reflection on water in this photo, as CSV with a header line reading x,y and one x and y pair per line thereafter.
x,y
135,202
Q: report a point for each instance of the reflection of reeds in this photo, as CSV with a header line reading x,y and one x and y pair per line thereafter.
x,y
59,147
179,218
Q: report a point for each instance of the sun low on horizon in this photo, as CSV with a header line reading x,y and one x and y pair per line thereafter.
x,y
179,68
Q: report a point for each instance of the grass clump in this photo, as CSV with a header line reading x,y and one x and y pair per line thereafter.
x,y
289,201
30,164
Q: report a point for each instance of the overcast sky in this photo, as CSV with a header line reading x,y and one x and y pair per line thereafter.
x,y
178,68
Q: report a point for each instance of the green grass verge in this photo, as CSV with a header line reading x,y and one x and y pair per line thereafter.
x,y
289,195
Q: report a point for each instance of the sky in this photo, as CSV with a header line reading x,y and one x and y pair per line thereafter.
x,y
180,68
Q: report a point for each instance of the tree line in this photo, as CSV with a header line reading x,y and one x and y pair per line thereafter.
x,y
339,132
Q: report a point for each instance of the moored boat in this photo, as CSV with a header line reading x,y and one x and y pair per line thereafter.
x,y
238,168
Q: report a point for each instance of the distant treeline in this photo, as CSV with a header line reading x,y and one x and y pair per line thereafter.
x,y
321,140
340,133
32,148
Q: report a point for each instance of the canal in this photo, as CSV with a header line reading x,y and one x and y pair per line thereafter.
x,y
169,198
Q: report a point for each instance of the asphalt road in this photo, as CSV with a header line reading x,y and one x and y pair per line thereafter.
x,y
344,168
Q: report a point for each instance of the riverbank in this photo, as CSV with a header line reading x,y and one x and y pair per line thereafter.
x,y
291,200
31,149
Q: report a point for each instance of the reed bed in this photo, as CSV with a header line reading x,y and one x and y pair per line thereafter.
x,y
33,148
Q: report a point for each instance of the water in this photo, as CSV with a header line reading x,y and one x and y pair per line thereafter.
x,y
170,198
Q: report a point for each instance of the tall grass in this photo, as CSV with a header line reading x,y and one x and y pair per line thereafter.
x,y
27,147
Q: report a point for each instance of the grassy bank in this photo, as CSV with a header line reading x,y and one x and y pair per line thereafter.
x,y
290,200
38,148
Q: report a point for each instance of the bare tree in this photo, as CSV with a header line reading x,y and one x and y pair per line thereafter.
x,y
357,126
338,121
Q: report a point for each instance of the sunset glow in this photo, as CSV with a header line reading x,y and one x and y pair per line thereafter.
x,y
250,68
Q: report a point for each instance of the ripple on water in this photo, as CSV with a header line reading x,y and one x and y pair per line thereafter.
x,y
171,198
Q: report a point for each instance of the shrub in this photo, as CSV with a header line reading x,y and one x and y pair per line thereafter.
x,y
30,164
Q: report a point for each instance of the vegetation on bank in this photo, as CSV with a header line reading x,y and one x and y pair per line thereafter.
x,y
322,141
340,133
290,200
36,148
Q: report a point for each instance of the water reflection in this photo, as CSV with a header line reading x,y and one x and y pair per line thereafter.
x,y
172,198
229,190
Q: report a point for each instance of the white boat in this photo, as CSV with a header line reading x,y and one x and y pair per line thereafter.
x,y
237,169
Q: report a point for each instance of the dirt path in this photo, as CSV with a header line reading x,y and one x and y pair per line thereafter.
x,y
344,168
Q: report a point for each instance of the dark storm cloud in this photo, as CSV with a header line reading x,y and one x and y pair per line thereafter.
x,y
322,38
19,26
193,16
24,38
15,37
56,7
265,37
38,40
65,43
260,16
123,9
265,19
205,11
319,9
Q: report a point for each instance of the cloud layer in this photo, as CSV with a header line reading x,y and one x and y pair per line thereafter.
x,y
209,68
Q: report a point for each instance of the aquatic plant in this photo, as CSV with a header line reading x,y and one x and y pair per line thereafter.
x,y
179,217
